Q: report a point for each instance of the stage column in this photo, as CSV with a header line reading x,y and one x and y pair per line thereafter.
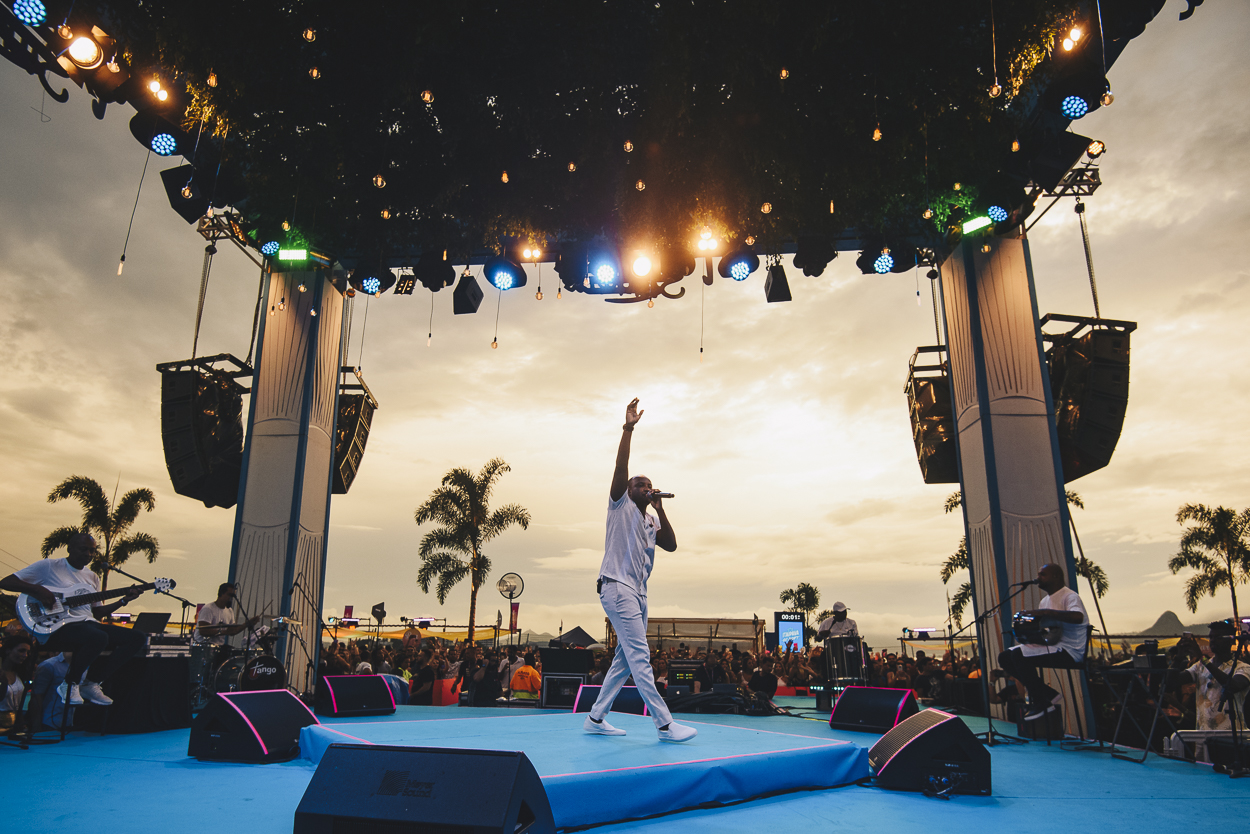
x,y
283,514
1015,514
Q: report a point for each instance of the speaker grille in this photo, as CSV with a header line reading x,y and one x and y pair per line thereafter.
x,y
202,434
893,741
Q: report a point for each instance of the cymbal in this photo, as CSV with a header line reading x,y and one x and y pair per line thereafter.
x,y
286,621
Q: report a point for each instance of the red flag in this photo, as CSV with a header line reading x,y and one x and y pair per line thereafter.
x,y
516,606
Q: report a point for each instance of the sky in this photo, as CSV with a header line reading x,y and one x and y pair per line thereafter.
x,y
787,441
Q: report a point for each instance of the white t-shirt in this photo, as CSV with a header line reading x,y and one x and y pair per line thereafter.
x,y
1207,698
59,576
211,615
1074,634
629,547
837,629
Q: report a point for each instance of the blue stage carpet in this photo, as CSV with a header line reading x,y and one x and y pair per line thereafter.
x,y
145,784
592,780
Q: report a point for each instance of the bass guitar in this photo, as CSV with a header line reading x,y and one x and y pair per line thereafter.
x,y
41,620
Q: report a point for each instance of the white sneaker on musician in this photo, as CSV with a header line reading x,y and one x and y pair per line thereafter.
x,y
678,732
600,728
93,693
69,693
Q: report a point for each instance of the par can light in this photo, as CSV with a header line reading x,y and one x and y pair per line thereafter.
x,y
30,12
642,266
270,248
164,144
86,53
1074,107
997,213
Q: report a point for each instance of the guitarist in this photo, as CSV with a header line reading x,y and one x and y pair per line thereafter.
x,y
1063,606
80,633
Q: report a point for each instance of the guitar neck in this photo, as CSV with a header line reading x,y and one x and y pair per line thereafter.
x,y
101,596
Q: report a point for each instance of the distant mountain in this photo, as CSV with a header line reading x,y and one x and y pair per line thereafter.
x,y
1169,623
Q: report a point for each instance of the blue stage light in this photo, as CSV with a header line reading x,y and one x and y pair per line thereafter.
x,y
30,12
606,273
504,273
270,248
502,279
997,213
164,145
739,271
371,285
1074,107
738,264
884,263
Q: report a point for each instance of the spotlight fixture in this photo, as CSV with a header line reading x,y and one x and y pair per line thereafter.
x,y
629,146
603,270
750,241
642,266
997,213
30,12
640,185
884,262
785,73
86,53
876,133
310,35
996,90
386,214
427,96
976,224
572,167
162,95
1074,107
211,80
504,178
1068,43
706,242
738,264
434,272
270,248
314,73
379,181
812,255
927,214
292,254
504,273
164,145
154,85
286,225
1096,149
373,279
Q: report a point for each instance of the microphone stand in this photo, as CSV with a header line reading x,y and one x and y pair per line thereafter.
x,y
981,622
322,628
1236,770
186,603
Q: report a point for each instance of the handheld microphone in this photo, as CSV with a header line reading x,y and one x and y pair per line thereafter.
x,y
1025,584
656,494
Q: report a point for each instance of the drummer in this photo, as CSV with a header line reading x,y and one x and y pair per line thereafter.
x,y
216,620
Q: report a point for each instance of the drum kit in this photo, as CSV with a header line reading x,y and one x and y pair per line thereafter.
x,y
254,667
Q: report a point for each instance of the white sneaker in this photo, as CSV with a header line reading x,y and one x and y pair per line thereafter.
x,y
678,732
68,693
93,693
600,728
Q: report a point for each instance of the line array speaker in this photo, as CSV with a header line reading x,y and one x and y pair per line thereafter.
x,y
202,433
1089,384
376,789
931,751
932,419
355,418
870,709
260,727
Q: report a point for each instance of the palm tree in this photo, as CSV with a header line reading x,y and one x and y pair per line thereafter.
x,y
803,598
109,523
1094,575
958,561
453,550
1216,548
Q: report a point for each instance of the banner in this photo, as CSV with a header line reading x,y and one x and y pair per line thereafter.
x,y
516,606
347,611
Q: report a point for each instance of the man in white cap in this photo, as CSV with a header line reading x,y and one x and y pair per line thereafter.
x,y
839,625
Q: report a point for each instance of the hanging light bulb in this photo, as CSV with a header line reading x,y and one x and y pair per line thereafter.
x,y
985,247
876,134
314,73
996,90
766,208
427,96
1107,99
1075,34
282,303
750,241
211,80
504,178
186,191
959,186
785,73
650,302
386,214
1068,43
286,225
302,287
313,312
831,206
1015,146
115,67
121,264
537,253
640,185
572,167
558,294
162,95
629,146
64,31
927,214
379,181
539,295
494,344
310,35
527,253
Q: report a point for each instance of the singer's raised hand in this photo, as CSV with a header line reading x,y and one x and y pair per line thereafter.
x,y
632,414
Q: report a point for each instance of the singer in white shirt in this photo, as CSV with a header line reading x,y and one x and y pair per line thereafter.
x,y
1062,605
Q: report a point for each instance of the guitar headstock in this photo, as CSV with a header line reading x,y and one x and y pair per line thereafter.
x,y
162,585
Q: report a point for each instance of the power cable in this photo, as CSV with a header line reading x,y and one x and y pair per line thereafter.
x,y
126,245
260,291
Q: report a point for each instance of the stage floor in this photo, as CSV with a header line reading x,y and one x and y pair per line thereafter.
x,y
146,784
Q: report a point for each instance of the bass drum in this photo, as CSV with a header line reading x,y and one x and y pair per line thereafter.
x,y
261,672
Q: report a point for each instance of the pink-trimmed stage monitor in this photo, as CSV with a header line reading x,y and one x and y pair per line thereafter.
x,y
627,701
256,727
339,695
872,709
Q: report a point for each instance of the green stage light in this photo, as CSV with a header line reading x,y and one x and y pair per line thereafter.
x,y
292,254
976,223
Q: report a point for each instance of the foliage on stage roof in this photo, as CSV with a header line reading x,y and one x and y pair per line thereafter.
x,y
402,127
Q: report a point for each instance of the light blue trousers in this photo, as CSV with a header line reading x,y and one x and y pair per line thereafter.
x,y
627,611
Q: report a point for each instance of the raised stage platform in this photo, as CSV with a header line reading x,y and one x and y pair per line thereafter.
x,y
592,780
146,784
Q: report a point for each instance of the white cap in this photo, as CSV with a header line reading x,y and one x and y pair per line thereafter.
x,y
838,606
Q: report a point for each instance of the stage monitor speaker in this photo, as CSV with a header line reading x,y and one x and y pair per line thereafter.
x,y
351,435
354,695
259,727
931,751
376,789
575,661
870,709
202,434
467,296
560,690
627,700
776,287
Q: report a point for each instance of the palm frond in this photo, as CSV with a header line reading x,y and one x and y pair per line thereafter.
x,y
127,509
959,602
58,538
448,580
1074,499
441,565
443,538
1093,574
135,543
480,570
954,501
89,494
957,561
503,518
489,476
